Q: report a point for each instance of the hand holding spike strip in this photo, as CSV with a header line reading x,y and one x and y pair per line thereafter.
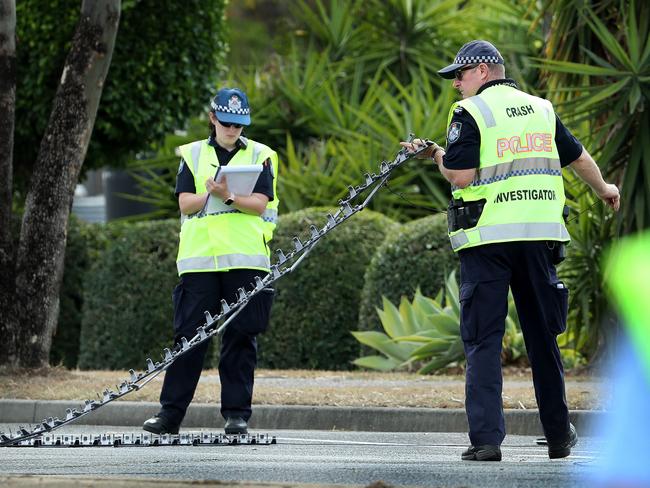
x,y
285,264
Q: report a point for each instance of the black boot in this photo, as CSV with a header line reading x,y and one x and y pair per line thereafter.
x,y
236,425
482,453
159,425
558,450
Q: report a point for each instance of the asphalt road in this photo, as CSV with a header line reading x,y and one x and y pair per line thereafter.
x,y
320,457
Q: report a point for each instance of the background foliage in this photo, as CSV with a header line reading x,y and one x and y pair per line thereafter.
x,y
166,55
334,85
316,306
127,309
416,255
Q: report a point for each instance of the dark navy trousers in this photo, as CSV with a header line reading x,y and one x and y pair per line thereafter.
x,y
541,300
196,293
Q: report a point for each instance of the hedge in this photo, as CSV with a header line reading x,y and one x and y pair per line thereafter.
x,y
417,254
85,243
316,306
127,309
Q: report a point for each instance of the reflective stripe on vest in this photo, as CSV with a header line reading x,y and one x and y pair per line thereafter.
x,y
270,215
509,232
217,263
483,107
518,167
196,154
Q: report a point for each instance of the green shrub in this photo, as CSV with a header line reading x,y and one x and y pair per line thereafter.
x,y
65,341
317,305
84,245
127,308
418,254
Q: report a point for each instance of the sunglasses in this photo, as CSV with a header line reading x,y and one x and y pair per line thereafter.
x,y
228,124
459,72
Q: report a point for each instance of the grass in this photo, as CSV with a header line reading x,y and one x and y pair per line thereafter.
x,y
301,387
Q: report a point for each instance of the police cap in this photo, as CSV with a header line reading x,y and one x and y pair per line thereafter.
x,y
473,52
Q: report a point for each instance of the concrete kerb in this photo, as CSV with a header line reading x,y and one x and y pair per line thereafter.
x,y
295,417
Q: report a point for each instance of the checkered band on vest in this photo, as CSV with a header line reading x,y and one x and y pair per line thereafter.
x,y
226,109
477,59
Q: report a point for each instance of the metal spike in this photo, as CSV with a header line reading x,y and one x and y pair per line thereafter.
x,y
331,221
167,355
134,376
259,284
297,244
209,320
275,272
184,344
108,395
347,210
150,366
202,334
369,179
124,387
383,167
225,308
281,257
242,294
352,192
314,231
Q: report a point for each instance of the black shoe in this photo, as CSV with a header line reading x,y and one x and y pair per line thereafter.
x,y
482,453
159,425
563,449
236,425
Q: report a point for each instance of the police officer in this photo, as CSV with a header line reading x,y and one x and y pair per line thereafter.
x,y
504,158
223,246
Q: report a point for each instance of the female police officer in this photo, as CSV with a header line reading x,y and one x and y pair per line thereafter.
x,y
223,246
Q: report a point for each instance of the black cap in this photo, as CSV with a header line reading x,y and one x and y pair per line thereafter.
x,y
472,53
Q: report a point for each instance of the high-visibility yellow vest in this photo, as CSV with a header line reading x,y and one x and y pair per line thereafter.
x,y
519,176
225,238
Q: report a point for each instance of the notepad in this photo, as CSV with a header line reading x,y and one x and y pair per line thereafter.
x,y
241,179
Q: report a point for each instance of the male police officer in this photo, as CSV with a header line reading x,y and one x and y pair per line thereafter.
x,y
504,158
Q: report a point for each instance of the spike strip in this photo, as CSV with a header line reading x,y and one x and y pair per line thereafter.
x,y
287,262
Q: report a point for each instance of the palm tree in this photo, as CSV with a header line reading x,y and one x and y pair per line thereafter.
x,y
596,69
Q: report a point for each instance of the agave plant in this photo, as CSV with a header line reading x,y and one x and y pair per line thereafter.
x,y
425,333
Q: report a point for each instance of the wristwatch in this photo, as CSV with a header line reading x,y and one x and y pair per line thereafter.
x,y
435,150
230,200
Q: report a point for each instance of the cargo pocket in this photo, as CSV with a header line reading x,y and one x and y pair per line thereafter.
x,y
254,318
468,320
560,309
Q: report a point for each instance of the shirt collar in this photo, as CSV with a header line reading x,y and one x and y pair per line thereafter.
x,y
504,81
241,143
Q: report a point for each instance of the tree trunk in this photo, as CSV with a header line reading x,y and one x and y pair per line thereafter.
x,y
43,234
7,109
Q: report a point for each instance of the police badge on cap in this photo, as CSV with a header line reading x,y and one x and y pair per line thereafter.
x,y
230,105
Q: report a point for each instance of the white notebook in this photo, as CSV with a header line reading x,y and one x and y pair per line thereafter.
x,y
241,179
